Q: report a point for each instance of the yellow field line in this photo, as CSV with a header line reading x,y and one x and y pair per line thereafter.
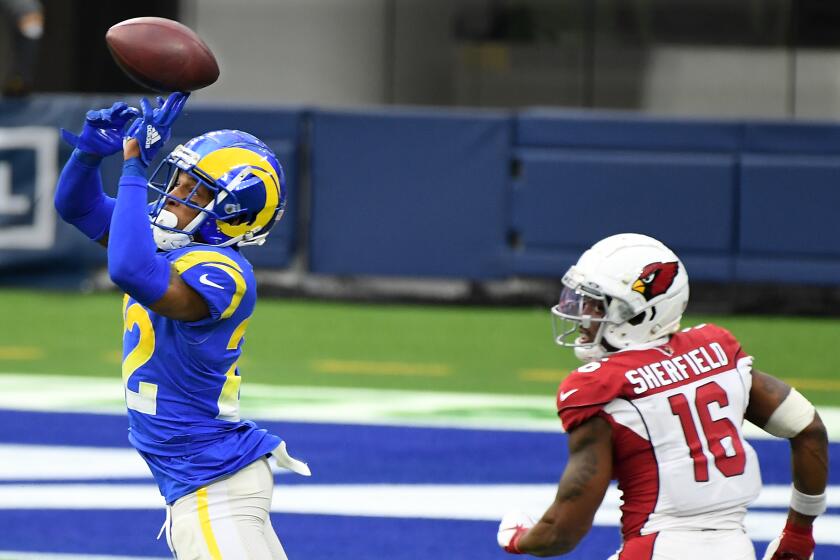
x,y
21,353
813,384
545,374
112,357
380,368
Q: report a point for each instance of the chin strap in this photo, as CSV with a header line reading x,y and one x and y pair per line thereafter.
x,y
167,240
642,345
604,349
588,354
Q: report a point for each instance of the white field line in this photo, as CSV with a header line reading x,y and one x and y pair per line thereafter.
x,y
56,393
13,555
23,462
426,501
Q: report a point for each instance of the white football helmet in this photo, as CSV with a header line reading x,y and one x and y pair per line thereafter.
x,y
631,287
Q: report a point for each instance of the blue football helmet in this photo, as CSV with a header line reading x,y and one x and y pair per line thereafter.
x,y
245,181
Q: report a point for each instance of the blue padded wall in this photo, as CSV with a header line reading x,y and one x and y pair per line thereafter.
x,y
71,251
553,128
491,194
790,179
566,201
409,193
789,228
584,177
791,137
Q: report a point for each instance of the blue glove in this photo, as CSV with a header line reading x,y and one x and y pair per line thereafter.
x,y
102,134
154,127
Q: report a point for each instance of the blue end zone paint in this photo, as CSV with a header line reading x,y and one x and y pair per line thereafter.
x,y
130,533
352,538
337,454
368,454
46,428
310,537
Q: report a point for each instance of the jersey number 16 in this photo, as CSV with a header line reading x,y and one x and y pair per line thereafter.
x,y
713,431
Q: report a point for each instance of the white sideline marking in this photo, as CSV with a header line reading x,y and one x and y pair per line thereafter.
x,y
58,393
13,555
55,462
49,462
427,501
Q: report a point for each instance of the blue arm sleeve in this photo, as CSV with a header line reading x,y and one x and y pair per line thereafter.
x,y
133,262
79,198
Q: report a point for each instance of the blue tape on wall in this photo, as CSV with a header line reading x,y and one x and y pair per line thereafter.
x,y
409,193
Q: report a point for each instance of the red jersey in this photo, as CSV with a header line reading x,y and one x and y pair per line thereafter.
x,y
679,455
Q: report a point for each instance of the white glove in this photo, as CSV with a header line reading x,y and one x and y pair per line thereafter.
x,y
773,547
514,524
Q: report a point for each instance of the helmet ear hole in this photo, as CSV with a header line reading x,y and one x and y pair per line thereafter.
x,y
239,220
638,318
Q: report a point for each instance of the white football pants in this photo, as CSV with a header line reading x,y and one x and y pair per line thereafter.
x,y
226,520
699,545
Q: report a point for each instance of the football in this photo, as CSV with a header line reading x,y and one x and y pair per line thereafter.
x,y
161,54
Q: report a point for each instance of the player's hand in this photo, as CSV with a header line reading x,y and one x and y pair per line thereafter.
x,y
103,131
796,543
514,524
154,127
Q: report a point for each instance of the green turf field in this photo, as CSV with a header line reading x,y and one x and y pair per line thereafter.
x,y
388,346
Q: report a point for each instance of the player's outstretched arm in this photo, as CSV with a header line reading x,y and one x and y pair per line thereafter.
x,y
781,411
79,198
133,262
579,494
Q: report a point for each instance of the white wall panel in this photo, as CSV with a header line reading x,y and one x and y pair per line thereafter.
x,y
321,52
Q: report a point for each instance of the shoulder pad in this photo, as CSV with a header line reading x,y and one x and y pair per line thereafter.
x,y
708,332
595,383
220,279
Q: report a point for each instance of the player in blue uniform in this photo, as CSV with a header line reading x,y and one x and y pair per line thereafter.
x,y
189,295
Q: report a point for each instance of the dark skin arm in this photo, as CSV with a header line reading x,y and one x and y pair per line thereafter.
x,y
579,494
180,301
809,449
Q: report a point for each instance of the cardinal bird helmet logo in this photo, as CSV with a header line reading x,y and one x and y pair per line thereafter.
x,y
655,279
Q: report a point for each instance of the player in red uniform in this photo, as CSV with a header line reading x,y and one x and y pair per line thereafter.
x,y
660,410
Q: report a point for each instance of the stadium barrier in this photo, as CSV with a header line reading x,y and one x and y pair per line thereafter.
x,y
477,194
410,193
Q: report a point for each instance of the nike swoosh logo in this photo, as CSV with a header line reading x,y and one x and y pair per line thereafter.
x,y
565,395
204,280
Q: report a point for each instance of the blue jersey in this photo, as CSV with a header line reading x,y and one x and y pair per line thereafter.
x,y
181,378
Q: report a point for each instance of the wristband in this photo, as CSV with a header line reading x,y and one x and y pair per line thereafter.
x,y
86,158
134,168
513,545
807,504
